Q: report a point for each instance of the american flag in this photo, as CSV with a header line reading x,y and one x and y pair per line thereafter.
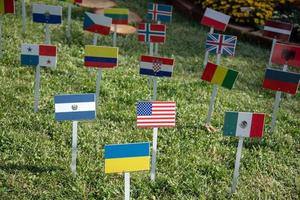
x,y
156,114
221,44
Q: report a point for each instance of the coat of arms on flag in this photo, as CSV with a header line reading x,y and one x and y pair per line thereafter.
x,y
156,66
7,6
43,55
215,19
278,30
155,33
100,56
281,81
221,44
156,114
75,107
286,54
48,14
244,124
160,12
97,23
219,75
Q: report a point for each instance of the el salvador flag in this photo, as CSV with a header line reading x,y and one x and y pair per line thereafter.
x,y
75,107
48,14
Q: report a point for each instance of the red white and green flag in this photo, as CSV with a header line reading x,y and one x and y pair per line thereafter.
x,y
244,124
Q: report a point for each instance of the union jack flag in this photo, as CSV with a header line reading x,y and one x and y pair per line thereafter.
x,y
152,33
159,12
221,44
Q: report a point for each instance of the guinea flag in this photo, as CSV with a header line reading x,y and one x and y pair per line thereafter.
x,y
219,75
244,124
7,6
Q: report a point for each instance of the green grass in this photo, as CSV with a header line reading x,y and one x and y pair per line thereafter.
x,y
35,150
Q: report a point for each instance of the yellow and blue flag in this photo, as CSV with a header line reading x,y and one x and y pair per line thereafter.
x,y
100,56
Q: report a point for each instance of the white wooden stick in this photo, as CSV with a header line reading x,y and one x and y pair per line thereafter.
x,y
206,52
48,37
95,39
151,49
154,152
98,81
272,50
213,96
276,104
237,165
115,35
1,53
127,186
74,147
154,88
23,16
37,87
69,21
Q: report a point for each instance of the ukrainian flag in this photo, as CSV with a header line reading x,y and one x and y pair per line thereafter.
x,y
127,157
100,56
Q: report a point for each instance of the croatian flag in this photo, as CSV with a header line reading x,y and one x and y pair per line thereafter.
x,y
42,13
155,33
43,55
75,107
156,66
97,23
221,44
215,19
160,12
278,30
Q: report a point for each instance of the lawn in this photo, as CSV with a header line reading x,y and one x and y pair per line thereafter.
x,y
192,163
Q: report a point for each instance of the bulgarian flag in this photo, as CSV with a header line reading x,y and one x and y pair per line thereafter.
x,y
244,124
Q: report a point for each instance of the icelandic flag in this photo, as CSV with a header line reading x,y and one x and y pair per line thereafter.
x,y
160,12
215,19
75,107
97,23
156,66
221,44
100,56
38,54
42,13
155,33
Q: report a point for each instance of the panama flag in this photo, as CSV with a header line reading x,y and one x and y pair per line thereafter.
x,y
160,12
118,15
120,158
43,55
286,54
42,13
7,6
75,107
244,124
278,30
215,19
100,56
281,81
97,23
155,33
221,44
156,66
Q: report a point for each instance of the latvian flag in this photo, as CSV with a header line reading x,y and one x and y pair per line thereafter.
x,y
75,107
43,55
281,81
286,54
155,33
97,23
215,19
156,66
244,124
278,30
160,12
100,56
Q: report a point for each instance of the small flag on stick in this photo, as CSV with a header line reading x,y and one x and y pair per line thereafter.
x,y
97,23
48,14
215,19
221,44
160,12
38,54
118,15
156,66
155,33
100,56
278,30
286,54
7,6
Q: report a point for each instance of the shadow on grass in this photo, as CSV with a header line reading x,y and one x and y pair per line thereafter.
x,y
29,168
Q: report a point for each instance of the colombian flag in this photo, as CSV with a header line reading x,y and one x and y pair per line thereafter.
x,y
7,6
100,56
118,15
127,157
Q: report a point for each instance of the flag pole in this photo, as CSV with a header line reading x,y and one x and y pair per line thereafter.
x,y
69,21
37,87
276,104
272,50
127,186
154,152
95,39
99,74
213,96
206,52
74,148
237,165
47,30
151,49
115,35
156,45
23,16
